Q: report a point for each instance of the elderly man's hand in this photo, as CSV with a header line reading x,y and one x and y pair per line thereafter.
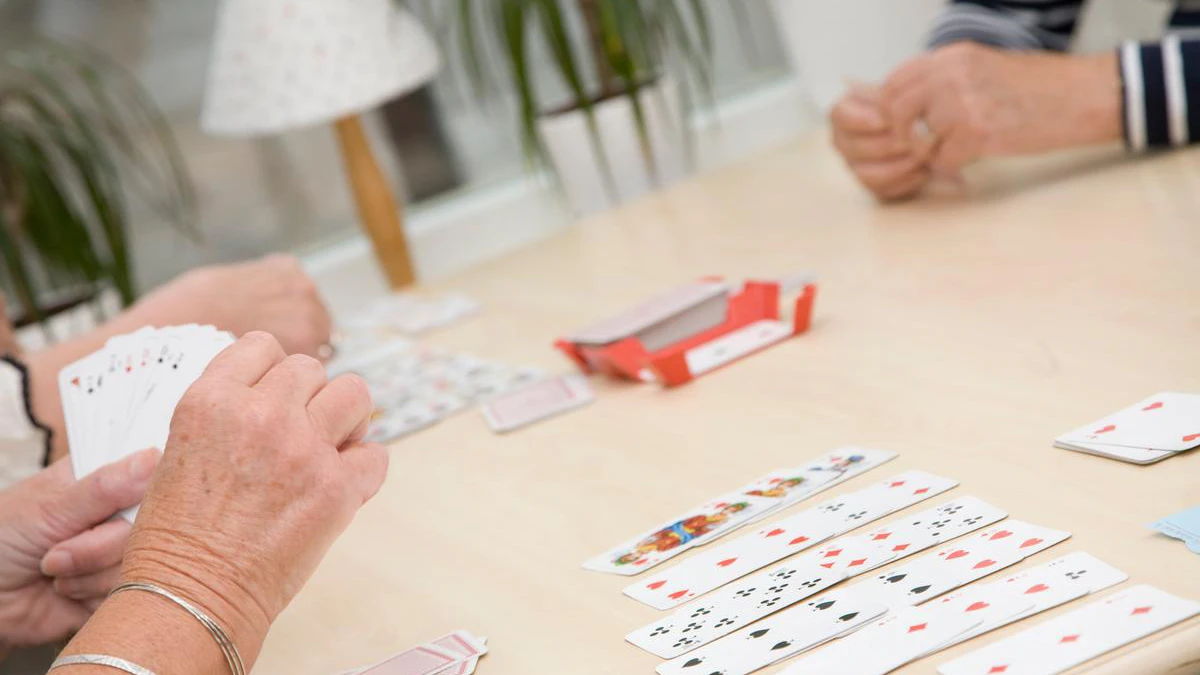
x,y
891,165
978,102
59,552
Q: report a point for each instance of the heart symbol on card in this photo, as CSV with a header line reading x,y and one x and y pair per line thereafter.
x,y
1037,588
1002,534
656,585
958,553
1191,437
1031,542
775,532
1104,430
976,606
678,594
983,564
1153,406
727,562
798,540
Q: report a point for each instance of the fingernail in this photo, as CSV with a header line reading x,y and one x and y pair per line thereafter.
x,y
58,563
142,466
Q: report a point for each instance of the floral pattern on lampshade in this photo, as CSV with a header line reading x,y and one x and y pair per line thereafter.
x,y
285,64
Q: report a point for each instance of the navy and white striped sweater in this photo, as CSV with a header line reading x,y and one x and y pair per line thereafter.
x,y
1161,80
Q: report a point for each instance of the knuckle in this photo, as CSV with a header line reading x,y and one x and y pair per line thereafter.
x,y
305,365
260,340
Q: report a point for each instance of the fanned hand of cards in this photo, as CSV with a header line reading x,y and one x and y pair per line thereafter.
x,y
1149,431
120,400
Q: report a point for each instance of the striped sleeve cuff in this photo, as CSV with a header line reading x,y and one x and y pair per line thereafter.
x,y
1161,93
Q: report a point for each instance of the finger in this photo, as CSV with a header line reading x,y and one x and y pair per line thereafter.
x,y
368,465
96,549
297,378
869,147
89,586
341,411
907,106
248,359
877,176
100,494
852,114
906,187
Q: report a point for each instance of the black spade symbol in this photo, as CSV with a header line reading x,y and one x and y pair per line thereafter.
x,y
825,605
896,578
919,589
760,632
692,662
782,645
848,617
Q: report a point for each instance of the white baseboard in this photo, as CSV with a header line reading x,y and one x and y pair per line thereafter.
x,y
485,223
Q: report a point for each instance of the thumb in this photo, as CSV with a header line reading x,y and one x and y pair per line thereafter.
x,y
100,494
367,465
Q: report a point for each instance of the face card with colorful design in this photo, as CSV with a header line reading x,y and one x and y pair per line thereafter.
x,y
1167,421
776,638
702,622
752,501
883,646
731,560
1079,636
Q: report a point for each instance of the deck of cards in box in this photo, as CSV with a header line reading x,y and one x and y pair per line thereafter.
x,y
686,332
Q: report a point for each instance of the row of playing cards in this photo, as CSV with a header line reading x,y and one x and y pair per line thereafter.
x,y
454,654
120,400
1148,431
751,502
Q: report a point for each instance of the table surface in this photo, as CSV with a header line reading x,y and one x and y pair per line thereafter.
x,y
964,331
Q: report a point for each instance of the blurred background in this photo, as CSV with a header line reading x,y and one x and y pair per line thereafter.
x,y
452,151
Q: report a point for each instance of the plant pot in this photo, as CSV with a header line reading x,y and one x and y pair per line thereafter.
x,y
569,144
830,43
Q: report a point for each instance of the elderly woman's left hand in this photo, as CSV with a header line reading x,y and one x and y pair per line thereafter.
x,y
60,553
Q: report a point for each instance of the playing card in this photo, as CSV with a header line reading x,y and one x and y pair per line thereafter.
x,y
776,638
537,401
466,646
1166,421
1121,452
1184,526
663,319
1044,587
883,646
736,606
723,515
731,560
1079,636
736,344
425,659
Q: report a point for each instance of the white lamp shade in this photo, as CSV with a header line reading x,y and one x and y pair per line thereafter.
x,y
285,64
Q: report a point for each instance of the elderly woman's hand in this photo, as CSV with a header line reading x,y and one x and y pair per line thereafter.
x,y
263,469
59,552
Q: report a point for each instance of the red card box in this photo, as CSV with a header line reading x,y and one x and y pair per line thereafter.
x,y
628,358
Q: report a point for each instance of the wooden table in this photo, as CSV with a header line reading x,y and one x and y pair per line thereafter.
x,y
964,332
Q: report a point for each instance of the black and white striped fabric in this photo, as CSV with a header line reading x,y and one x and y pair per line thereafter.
x,y
1161,79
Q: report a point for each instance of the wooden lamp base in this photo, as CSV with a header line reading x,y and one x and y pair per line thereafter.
x,y
381,216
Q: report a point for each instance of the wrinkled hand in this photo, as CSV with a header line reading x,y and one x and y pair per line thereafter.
x,y
272,294
59,552
979,102
891,165
263,470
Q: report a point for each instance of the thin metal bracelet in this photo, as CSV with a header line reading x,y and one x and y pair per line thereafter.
x,y
100,660
228,649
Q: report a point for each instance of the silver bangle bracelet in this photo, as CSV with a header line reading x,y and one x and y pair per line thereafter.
x,y
100,660
229,650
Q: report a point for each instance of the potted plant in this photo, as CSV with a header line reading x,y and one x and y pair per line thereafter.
x,y
78,138
627,66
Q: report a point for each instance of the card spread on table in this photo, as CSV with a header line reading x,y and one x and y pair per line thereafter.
x,y
1146,432
1079,636
454,654
120,400
1184,526
760,498
764,593
537,401
732,559
413,387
